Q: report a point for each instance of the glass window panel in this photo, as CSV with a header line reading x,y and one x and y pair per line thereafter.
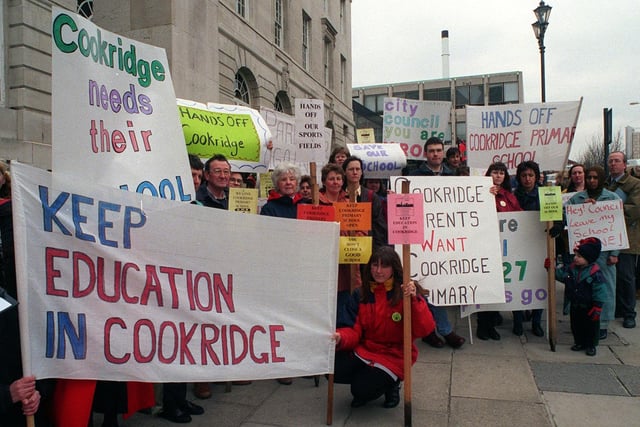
x,y
511,92
476,95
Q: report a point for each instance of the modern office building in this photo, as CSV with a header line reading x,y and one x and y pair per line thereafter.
x,y
259,53
489,89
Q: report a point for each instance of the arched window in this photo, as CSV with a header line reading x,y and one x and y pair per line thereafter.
x,y
241,89
85,8
282,103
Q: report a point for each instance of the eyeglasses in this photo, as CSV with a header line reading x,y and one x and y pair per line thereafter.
x,y
225,172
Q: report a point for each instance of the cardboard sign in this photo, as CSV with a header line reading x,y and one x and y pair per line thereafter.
x,y
379,160
309,137
410,123
114,120
550,203
316,212
366,136
355,250
514,133
604,220
405,219
243,200
353,216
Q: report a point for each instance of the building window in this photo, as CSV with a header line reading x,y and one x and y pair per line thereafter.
x,y
282,103
342,13
241,8
469,94
85,8
306,39
438,94
343,78
503,93
326,60
278,23
241,89
375,103
410,94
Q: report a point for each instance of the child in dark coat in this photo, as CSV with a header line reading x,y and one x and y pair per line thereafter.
x,y
585,291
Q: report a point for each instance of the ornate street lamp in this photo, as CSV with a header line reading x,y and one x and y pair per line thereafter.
x,y
539,28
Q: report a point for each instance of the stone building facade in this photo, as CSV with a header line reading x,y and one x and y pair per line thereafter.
x,y
259,53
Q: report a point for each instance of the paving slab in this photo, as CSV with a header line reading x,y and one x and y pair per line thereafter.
x,y
629,376
497,413
563,354
578,378
493,377
584,410
431,383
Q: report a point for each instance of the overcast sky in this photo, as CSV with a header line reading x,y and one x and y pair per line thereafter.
x,y
592,50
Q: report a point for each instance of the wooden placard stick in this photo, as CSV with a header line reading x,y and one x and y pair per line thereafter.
x,y
406,317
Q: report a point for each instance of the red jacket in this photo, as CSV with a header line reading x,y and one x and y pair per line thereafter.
x,y
506,201
377,337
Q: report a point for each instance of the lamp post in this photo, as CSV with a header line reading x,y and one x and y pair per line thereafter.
x,y
539,28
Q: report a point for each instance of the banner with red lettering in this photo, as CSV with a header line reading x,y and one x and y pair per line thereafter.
x,y
459,261
514,133
116,285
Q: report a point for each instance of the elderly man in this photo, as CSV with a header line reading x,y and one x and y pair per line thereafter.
x,y
217,172
628,188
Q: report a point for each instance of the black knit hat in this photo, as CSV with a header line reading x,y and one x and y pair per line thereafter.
x,y
589,248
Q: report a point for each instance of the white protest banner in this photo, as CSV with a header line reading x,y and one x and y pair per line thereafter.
x,y
116,285
114,119
523,253
379,160
514,133
309,136
459,261
410,123
604,220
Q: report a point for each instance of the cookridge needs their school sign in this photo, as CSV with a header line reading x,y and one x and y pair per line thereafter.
x,y
114,116
116,285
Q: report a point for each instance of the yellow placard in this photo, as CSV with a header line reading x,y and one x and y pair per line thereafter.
x,y
355,250
550,203
265,184
366,136
244,200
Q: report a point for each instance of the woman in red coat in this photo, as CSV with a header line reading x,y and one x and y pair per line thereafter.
x,y
372,360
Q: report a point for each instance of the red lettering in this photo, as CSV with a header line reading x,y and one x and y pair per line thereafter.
x,y
173,341
49,255
264,356
79,257
107,341
273,329
137,351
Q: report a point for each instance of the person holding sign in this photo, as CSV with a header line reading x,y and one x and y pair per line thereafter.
x,y
584,288
595,192
527,177
505,202
354,178
370,353
332,177
217,172
628,188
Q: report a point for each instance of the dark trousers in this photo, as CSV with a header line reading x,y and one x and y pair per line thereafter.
x,y
173,396
487,320
367,382
536,317
585,331
626,285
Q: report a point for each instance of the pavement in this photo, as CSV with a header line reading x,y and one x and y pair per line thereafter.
x,y
517,381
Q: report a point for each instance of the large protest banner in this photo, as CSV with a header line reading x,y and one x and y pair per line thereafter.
x,y
379,161
410,123
113,285
604,220
514,133
113,107
523,245
460,260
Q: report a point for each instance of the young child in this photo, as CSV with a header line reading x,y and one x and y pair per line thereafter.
x,y
585,292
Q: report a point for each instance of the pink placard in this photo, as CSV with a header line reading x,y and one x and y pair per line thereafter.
x,y
405,219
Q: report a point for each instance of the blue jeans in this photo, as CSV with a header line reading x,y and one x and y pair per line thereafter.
x,y
442,320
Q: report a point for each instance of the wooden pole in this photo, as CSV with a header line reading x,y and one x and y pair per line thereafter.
x,y
406,309
551,287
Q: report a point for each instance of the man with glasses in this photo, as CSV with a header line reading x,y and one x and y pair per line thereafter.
x,y
217,172
628,188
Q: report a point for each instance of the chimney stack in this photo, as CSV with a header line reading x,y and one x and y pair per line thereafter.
x,y
445,54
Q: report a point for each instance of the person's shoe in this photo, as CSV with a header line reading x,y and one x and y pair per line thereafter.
x,y
454,340
537,330
392,396
285,381
591,351
433,340
577,347
629,323
517,329
356,403
493,334
176,416
243,382
191,408
482,334
603,334
202,390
